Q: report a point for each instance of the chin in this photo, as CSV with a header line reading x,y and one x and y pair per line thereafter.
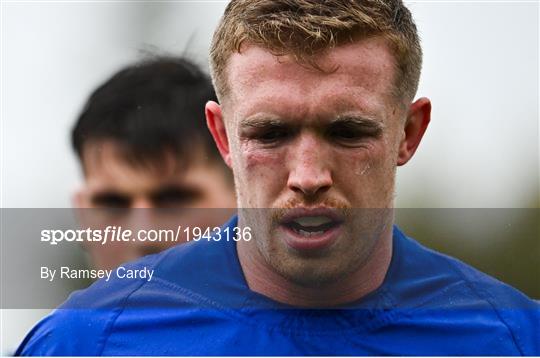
x,y
312,271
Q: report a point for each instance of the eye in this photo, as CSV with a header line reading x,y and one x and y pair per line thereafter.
x,y
268,134
272,135
111,200
346,133
176,197
352,134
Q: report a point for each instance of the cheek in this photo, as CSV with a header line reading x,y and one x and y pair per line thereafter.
x,y
358,164
255,161
260,170
378,159
364,174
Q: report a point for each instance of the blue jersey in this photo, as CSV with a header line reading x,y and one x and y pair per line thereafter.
x,y
198,303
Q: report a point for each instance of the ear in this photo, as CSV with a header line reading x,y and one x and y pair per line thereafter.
x,y
214,121
417,122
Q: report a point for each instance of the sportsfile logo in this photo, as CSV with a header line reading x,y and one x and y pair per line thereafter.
x,y
120,234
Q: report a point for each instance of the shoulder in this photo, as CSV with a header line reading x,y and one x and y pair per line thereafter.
x,y
84,322
66,332
517,313
456,289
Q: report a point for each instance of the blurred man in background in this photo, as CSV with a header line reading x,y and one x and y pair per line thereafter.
x,y
143,143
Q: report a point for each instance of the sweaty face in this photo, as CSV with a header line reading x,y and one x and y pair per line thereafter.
x,y
121,194
316,154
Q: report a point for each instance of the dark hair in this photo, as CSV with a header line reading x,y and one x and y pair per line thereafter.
x,y
150,108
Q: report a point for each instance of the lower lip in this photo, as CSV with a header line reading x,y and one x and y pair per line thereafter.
x,y
302,243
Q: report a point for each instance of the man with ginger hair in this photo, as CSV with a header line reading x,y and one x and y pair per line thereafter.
x,y
316,112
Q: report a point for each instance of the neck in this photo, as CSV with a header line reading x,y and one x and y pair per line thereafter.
x,y
263,279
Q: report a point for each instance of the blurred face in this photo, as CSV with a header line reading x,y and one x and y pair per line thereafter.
x,y
317,153
112,183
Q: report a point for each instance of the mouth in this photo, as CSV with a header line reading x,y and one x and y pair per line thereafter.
x,y
311,229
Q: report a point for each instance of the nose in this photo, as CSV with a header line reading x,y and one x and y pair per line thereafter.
x,y
309,166
142,202
139,217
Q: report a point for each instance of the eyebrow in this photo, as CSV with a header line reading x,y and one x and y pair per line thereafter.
x,y
261,121
362,121
107,195
264,121
176,190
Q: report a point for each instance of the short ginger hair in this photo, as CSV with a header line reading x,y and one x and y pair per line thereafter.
x,y
304,29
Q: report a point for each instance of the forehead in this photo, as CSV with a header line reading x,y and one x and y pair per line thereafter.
x,y
357,76
106,166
